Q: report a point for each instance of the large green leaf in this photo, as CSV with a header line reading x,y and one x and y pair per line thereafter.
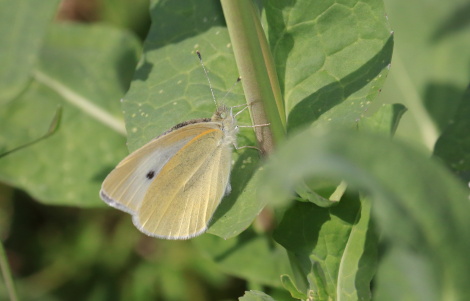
x,y
255,258
331,57
415,200
23,26
86,69
169,85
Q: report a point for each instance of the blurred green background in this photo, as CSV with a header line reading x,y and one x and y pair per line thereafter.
x,y
63,253
430,65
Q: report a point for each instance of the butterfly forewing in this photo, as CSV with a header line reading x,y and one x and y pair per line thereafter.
x,y
185,194
125,187
173,184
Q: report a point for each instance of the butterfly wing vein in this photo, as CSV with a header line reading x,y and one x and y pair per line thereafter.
x,y
185,194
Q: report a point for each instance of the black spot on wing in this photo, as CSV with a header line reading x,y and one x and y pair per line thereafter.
x,y
150,174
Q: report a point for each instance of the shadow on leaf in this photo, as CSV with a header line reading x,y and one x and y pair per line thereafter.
x,y
312,107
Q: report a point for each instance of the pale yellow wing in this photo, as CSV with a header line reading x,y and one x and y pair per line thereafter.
x,y
125,187
185,194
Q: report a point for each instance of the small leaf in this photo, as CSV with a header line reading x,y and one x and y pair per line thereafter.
x,y
453,146
289,285
255,296
309,193
385,120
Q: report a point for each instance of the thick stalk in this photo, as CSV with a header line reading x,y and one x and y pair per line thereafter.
x,y
256,67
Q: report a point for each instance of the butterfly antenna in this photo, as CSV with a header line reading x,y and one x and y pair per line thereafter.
x,y
231,88
207,76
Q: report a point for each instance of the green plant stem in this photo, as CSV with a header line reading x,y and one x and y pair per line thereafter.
x,y
6,273
256,67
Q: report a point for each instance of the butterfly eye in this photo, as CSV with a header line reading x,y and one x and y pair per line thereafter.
x,y
150,174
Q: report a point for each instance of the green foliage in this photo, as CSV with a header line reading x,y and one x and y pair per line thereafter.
x,y
86,70
429,69
249,256
363,161
330,250
21,37
398,218
453,146
331,58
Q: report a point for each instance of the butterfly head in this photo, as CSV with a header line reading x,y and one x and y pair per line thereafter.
x,y
224,116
